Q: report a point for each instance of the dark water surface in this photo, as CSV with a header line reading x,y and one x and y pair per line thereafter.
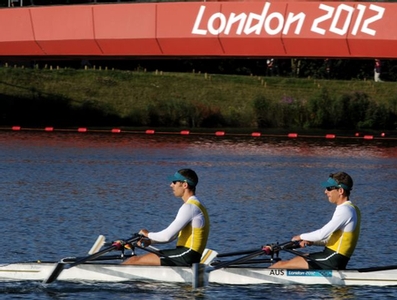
x,y
61,190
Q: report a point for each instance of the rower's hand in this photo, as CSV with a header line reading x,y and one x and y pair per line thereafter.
x,y
304,244
267,249
144,242
144,232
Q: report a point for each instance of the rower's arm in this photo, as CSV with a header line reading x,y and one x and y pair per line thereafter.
x,y
320,243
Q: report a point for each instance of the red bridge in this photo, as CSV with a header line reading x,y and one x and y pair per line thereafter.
x,y
202,29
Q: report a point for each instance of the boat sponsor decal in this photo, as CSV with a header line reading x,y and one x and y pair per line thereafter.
x,y
342,19
310,273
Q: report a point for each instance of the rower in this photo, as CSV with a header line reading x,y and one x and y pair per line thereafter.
x,y
190,227
339,235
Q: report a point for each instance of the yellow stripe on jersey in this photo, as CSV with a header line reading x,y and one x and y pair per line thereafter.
x,y
345,242
195,238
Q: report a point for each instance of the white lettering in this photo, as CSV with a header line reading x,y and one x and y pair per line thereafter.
x,y
345,27
300,18
196,25
361,12
377,17
260,18
280,26
222,23
315,27
274,23
233,19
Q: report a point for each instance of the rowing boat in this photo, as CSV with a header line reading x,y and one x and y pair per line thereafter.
x,y
245,270
232,275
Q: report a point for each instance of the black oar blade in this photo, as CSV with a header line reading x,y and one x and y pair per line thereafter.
x,y
55,273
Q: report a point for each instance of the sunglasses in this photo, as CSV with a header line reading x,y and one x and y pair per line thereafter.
x,y
175,181
331,188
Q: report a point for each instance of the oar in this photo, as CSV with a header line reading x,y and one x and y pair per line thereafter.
x,y
97,245
254,261
101,258
201,278
263,250
246,251
149,248
61,264
269,249
237,253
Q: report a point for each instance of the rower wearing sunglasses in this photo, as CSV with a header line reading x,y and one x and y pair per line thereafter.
x,y
339,235
190,227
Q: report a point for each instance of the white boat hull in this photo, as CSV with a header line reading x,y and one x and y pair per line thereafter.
x,y
306,277
106,272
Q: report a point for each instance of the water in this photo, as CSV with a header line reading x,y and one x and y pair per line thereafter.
x,y
61,190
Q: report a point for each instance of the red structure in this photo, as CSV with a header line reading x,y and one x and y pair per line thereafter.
x,y
205,29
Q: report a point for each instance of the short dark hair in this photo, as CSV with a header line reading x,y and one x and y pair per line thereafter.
x,y
344,178
191,175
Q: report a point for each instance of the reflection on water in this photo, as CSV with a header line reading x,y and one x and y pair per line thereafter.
x,y
241,144
61,190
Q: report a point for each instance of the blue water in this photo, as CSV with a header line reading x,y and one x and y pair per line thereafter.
x,y
61,190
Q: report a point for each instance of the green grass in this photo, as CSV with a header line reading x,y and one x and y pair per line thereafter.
x,y
131,98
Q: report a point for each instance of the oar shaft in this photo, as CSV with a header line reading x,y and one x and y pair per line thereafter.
x,y
253,261
93,256
70,260
277,248
61,265
263,250
237,253
239,260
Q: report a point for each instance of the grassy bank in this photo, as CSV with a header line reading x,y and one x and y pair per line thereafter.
x,y
100,97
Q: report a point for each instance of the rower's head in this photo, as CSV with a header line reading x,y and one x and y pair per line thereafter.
x,y
339,180
187,176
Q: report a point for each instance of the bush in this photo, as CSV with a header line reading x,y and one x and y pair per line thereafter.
x,y
263,112
319,110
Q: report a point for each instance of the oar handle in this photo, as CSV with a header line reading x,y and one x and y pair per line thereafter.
x,y
285,246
